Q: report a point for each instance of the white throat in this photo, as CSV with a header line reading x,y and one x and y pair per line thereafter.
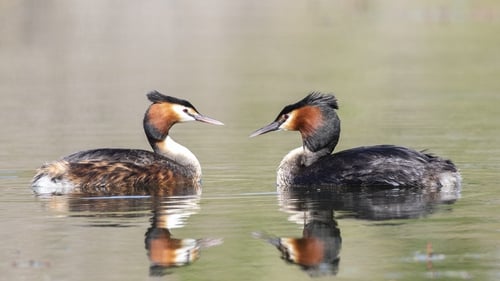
x,y
179,154
302,156
294,161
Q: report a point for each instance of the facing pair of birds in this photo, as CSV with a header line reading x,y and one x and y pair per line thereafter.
x,y
171,165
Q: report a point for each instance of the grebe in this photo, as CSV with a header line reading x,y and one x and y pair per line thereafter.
x,y
111,171
311,164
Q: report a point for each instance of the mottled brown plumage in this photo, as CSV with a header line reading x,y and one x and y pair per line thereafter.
x,y
121,178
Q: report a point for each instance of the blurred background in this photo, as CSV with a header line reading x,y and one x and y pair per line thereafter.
x,y
424,74
74,74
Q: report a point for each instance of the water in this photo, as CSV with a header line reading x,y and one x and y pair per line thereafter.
x,y
74,76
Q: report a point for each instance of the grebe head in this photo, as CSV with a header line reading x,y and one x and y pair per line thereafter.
x,y
314,117
167,111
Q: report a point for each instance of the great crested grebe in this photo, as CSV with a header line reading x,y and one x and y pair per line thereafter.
x,y
312,164
112,171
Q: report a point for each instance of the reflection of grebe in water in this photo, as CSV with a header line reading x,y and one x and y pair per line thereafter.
x,y
165,251
112,171
316,119
317,252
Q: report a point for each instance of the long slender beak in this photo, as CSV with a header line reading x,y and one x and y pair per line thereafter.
x,y
274,126
206,119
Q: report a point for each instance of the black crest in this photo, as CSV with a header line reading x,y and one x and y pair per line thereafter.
x,y
157,97
313,99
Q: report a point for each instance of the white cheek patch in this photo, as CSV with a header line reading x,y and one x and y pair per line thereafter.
x,y
288,124
183,116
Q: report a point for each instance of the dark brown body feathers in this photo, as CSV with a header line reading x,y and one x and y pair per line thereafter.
x,y
107,172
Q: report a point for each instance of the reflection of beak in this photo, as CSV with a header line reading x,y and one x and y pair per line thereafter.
x,y
206,119
274,126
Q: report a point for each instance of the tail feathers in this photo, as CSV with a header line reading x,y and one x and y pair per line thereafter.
x,y
451,182
448,178
50,179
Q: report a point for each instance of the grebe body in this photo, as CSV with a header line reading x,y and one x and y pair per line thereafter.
x,y
111,171
313,164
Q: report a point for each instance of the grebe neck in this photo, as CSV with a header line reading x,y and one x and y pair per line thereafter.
x,y
178,153
303,157
296,160
309,157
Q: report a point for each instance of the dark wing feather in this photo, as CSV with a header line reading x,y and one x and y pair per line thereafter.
x,y
125,178
125,171
134,156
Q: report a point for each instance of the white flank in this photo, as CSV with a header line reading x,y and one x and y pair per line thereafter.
x,y
45,186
